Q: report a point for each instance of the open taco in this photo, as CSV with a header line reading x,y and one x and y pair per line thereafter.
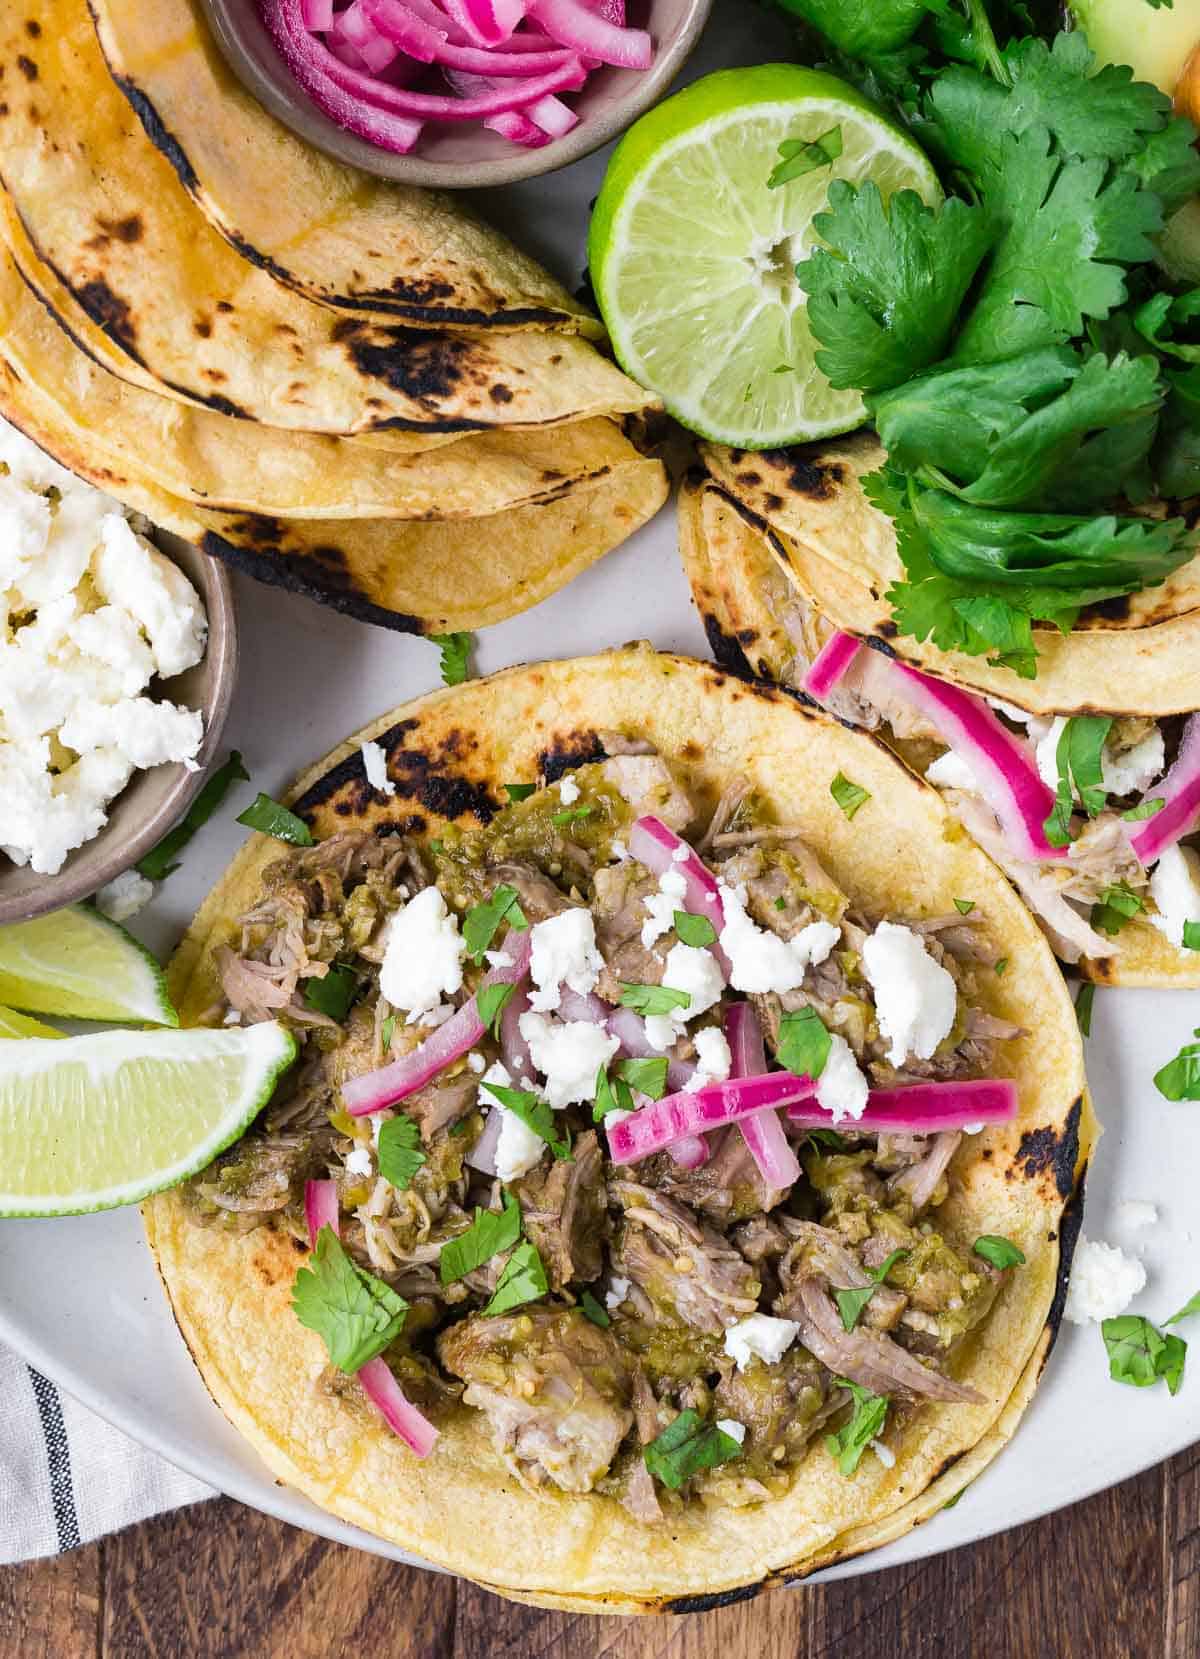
x,y
1082,783
105,211
633,1337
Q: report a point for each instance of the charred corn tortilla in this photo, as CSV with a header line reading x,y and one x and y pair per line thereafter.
x,y
105,211
419,576
751,582
450,754
340,236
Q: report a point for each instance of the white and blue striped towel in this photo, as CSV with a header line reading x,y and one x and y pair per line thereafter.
x,y
67,1477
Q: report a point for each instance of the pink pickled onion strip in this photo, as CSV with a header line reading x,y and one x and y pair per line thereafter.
x,y
660,850
298,49
486,22
918,1109
630,1031
421,40
690,1152
482,1155
763,1133
320,1208
924,1108
396,1409
518,129
573,25
317,14
354,28
1180,789
514,1050
830,664
552,116
395,1082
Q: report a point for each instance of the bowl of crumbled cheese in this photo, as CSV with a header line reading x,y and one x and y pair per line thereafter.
x,y
117,663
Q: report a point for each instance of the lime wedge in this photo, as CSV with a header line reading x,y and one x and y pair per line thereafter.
x,y
20,1025
92,1122
77,964
693,257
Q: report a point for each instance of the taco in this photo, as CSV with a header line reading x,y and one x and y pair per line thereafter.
x,y
105,211
429,576
339,236
630,1338
1083,783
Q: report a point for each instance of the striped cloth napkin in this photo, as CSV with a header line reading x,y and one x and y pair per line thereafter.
x,y
67,1477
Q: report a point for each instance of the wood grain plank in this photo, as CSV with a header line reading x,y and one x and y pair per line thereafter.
x,y
222,1582
1181,1554
51,1609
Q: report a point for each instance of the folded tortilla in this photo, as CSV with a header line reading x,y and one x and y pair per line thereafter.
x,y
340,236
461,1508
105,211
769,603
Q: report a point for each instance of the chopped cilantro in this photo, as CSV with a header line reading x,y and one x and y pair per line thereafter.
x,y
456,654
1083,1007
1080,772
333,993
648,1077
520,791
482,921
1146,809
269,818
804,1043
964,906
687,1446
491,1001
571,815
1000,1251
865,1424
522,1280
696,931
157,865
1117,907
828,1138
594,1310
1140,1355
851,1303
354,1313
386,1032
489,1234
612,1095
781,903
1191,935
1001,966
1188,1311
804,155
1179,1079
535,1114
653,999
400,1151
849,796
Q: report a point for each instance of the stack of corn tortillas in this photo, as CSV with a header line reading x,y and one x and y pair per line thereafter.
x,y
347,388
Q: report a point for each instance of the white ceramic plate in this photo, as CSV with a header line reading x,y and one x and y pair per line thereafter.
x,y
79,1297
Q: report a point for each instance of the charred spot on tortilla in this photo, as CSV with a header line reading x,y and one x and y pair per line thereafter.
x,y
33,28
749,479
418,363
27,67
566,753
109,311
500,393
128,230
1070,1225
164,142
1046,1149
710,1604
300,573
727,649
203,327
887,629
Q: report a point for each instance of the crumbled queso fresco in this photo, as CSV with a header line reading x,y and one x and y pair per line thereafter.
x,y
92,614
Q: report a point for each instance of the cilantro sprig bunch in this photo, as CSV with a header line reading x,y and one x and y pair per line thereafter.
x,y
1029,383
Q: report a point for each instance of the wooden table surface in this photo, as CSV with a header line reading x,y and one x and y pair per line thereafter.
x,y
1117,1577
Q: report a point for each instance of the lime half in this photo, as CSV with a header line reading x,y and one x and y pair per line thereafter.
x,y
77,964
20,1025
92,1122
693,256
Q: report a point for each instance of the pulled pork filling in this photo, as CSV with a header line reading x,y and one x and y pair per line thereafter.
x,y
629,1295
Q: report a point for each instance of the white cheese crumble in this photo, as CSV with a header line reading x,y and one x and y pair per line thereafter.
x,y
762,961
476,1062
951,771
885,1454
697,973
1104,1280
618,1290
661,906
731,1427
841,1088
358,1161
423,952
568,792
714,1062
1175,889
568,1054
1122,771
564,953
518,1149
93,613
124,896
375,766
760,1336
915,998
1136,1213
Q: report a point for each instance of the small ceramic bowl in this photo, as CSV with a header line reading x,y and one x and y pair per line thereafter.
x,y
466,157
153,801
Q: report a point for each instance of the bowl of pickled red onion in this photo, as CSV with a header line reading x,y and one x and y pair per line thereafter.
x,y
457,93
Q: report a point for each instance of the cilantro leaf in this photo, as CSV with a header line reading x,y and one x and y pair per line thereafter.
x,y
865,1424
1118,905
386,1032
157,865
1083,1007
1191,935
522,1280
612,1095
520,791
1107,113
687,1446
594,1310
696,931
456,654
648,1077
1188,1311
884,295
849,796
534,1113
355,1314
851,1303
487,1236
964,906
1179,1079
1140,1355
1000,1251
332,993
490,1003
571,815
828,1138
400,1151
1079,758
653,999
269,818
1145,809
482,921
1167,164
802,155
804,1043
1161,318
